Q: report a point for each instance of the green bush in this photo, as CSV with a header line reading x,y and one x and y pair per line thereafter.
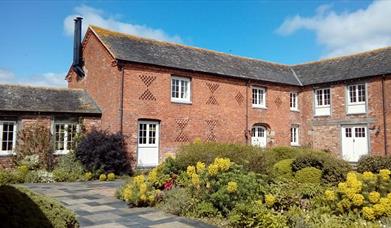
x,y
333,169
13,176
68,169
102,177
309,175
7,177
21,207
88,176
254,214
265,161
206,152
111,177
178,201
373,163
283,168
39,176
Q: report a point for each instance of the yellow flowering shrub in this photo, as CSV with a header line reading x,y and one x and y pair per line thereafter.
x,y
139,191
191,170
232,186
200,167
223,163
368,193
152,175
213,169
368,213
195,180
385,174
374,197
270,200
329,195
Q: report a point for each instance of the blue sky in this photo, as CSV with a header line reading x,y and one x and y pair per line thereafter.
x,y
36,38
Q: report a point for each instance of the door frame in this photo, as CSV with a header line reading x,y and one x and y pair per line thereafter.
x,y
148,121
265,134
366,125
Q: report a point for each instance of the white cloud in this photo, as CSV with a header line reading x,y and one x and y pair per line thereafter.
x,y
92,16
6,76
45,79
346,32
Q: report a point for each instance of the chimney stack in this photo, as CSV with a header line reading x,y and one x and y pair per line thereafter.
x,y
77,58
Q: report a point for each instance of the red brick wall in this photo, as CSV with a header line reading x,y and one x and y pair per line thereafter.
x,y
324,132
103,83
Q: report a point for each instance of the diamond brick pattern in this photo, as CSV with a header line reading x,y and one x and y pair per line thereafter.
x,y
147,79
212,88
147,96
181,125
239,98
211,124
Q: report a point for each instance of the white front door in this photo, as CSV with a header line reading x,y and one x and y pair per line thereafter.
x,y
258,137
148,144
354,142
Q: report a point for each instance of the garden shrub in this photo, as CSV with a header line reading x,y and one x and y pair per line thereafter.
x,y
206,152
309,175
102,177
139,192
368,194
111,177
178,201
373,163
88,176
31,161
265,161
35,139
68,168
104,152
255,214
39,176
283,168
21,207
333,168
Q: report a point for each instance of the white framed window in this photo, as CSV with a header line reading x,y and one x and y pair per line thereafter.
x,y
7,137
259,97
180,89
323,102
294,104
356,99
64,137
295,135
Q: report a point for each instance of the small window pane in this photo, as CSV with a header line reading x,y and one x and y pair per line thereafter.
x,y
359,132
326,96
348,132
258,97
7,136
175,88
152,133
59,136
361,93
319,97
143,134
352,94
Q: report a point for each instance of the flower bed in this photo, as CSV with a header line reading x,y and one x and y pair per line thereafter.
x,y
297,192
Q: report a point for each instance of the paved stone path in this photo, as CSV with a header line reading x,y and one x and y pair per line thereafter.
x,y
96,206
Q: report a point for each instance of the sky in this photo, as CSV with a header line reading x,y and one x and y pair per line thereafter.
x,y
36,36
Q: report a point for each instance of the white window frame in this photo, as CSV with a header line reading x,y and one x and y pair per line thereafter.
x,y
322,109
256,99
323,96
294,101
187,95
65,141
356,107
12,151
295,135
356,92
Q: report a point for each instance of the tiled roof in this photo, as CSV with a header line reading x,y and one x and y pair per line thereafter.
x,y
37,99
141,50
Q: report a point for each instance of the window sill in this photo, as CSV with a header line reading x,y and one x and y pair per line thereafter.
x,y
295,110
181,102
7,154
61,152
259,107
356,113
295,144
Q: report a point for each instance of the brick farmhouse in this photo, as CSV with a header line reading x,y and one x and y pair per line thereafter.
x,y
161,95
